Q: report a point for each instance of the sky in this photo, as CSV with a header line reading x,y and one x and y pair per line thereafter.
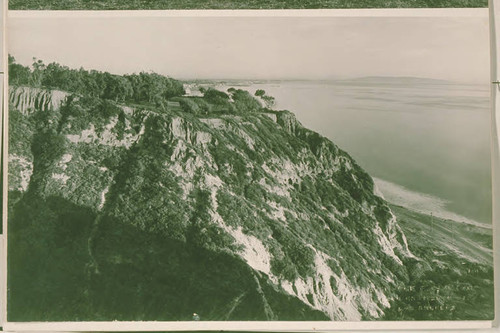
x,y
446,47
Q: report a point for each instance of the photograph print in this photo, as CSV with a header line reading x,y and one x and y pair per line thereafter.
x,y
332,168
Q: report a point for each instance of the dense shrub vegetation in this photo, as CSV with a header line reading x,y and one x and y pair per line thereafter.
x,y
144,87
149,89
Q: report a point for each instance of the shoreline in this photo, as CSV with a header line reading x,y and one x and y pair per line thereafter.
x,y
422,203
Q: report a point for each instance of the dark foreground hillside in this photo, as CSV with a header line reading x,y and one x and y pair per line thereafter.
x,y
130,201
237,4
454,281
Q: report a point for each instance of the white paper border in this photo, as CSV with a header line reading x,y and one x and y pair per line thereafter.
x,y
3,140
494,14
262,326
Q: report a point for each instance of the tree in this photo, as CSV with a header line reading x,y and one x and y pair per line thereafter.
x,y
117,88
215,96
268,100
18,74
260,92
244,102
38,72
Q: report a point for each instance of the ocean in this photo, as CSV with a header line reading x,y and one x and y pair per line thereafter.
x,y
424,136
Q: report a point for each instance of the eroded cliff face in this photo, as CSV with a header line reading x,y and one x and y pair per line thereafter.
x,y
28,99
292,219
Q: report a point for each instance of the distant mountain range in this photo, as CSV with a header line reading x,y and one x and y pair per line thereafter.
x,y
395,80
370,80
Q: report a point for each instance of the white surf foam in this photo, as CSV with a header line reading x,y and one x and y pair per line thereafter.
x,y
421,202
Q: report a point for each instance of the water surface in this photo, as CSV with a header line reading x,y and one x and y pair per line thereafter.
x,y
428,136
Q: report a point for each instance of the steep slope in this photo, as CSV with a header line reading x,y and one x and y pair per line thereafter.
x,y
454,278
135,212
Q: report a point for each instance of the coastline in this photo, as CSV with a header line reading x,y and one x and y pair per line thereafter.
x,y
421,203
